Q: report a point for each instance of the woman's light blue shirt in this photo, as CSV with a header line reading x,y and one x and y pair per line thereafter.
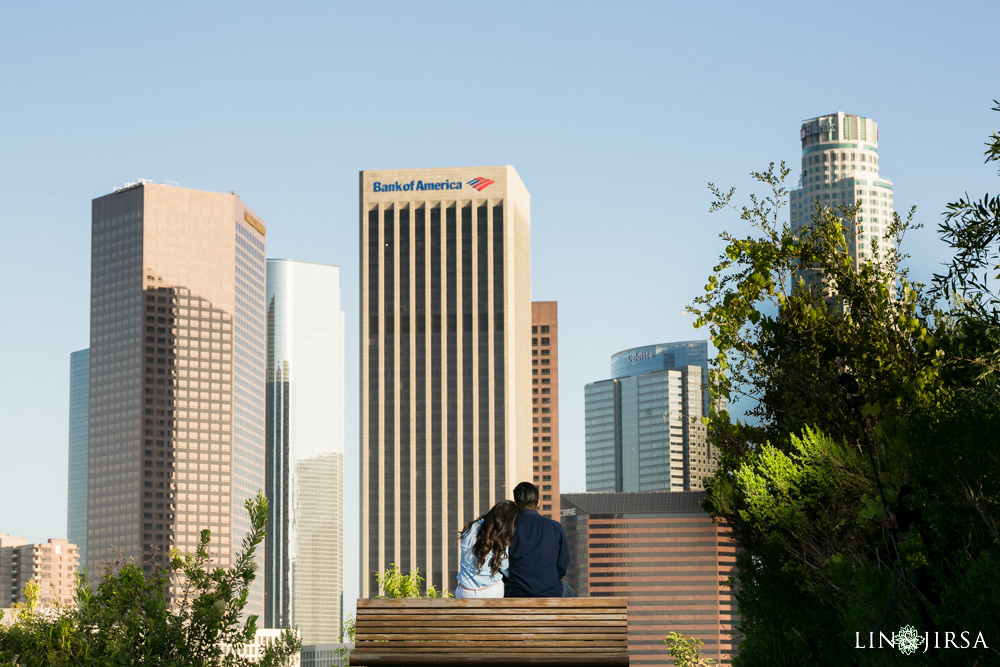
x,y
468,575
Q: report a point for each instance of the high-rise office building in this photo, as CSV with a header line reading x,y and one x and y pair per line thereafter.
x,y
304,547
644,429
53,565
840,168
76,498
545,404
177,337
664,553
325,655
445,360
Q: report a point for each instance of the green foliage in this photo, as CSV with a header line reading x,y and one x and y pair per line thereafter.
x,y
31,593
834,492
186,614
686,651
397,584
973,229
346,637
347,629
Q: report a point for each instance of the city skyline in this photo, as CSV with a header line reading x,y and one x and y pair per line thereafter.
x,y
617,148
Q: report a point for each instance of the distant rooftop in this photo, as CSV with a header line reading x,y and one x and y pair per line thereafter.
x,y
643,502
142,181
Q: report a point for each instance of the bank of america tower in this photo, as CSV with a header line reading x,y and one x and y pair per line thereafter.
x,y
445,360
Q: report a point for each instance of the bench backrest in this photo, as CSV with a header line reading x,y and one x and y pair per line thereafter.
x,y
551,631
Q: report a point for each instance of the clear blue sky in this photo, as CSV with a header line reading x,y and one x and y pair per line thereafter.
x,y
616,115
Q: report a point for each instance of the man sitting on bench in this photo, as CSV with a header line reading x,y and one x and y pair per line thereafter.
x,y
538,554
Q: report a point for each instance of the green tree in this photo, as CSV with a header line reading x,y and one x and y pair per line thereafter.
x,y
864,492
397,584
686,651
188,613
973,229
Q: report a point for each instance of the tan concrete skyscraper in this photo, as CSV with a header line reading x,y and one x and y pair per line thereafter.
x,y
177,334
445,360
840,167
545,404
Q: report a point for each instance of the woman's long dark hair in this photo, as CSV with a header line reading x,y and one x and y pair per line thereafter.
x,y
495,534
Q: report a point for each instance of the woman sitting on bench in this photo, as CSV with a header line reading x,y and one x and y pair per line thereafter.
x,y
484,543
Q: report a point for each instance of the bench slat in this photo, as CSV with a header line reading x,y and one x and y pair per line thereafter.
x,y
479,644
501,603
484,660
403,613
526,634
472,619
471,644
573,626
599,614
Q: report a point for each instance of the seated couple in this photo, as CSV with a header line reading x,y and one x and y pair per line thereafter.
x,y
513,551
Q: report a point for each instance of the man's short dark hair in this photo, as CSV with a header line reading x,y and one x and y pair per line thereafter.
x,y
526,495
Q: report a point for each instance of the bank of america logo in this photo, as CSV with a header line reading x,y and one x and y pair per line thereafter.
x,y
481,183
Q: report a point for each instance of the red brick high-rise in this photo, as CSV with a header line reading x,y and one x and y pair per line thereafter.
x,y
664,553
545,404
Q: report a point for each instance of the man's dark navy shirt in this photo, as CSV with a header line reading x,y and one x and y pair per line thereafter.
x,y
539,556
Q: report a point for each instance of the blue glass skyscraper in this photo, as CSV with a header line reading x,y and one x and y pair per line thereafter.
x,y
76,498
644,428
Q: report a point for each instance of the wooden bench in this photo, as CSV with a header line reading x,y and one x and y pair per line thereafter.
x,y
511,631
